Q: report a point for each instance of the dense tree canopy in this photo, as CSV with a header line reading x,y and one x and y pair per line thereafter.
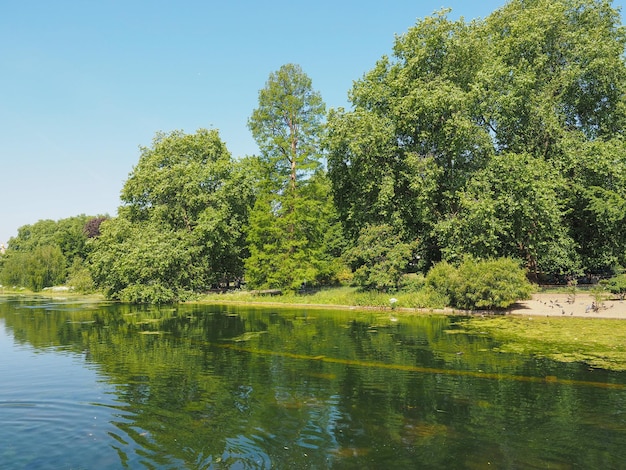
x,y
42,254
500,137
180,229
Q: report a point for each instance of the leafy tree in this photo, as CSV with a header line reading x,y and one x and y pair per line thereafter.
x,y
293,212
596,200
289,243
380,258
41,253
44,266
92,227
144,262
512,208
180,229
461,108
287,126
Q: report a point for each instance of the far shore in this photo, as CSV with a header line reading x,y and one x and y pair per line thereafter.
x,y
545,304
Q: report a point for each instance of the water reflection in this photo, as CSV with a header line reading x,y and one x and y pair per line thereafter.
x,y
221,387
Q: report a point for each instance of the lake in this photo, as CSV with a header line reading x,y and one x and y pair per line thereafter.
x,y
97,385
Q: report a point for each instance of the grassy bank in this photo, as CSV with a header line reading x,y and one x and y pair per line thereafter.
x,y
339,296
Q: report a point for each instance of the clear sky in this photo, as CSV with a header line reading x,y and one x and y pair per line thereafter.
x,y
84,83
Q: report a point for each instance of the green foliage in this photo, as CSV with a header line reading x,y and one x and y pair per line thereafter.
x,y
287,126
380,258
289,243
487,284
42,253
500,137
44,266
617,285
413,282
443,278
68,234
290,226
596,196
512,208
181,229
79,278
142,262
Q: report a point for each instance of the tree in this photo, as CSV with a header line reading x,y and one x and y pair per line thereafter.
x,y
92,227
512,208
541,82
41,253
287,126
44,266
380,258
293,212
181,226
407,148
144,262
596,200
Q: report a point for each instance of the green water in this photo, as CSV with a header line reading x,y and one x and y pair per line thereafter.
x,y
109,386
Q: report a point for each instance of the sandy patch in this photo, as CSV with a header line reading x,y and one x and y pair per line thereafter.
x,y
547,304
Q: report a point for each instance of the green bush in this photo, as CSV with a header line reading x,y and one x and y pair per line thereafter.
x,y
380,258
154,293
443,278
412,282
79,278
485,284
617,285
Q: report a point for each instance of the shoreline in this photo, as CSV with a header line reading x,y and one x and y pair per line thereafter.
x,y
548,304
541,304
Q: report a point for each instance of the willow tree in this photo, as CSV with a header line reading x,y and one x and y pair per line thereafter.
x,y
293,212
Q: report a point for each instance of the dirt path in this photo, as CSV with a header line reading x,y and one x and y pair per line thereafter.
x,y
547,304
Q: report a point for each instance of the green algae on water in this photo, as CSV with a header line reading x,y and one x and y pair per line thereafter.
x,y
601,343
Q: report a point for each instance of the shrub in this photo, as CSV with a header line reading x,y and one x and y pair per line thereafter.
x,y
485,284
412,282
443,278
380,258
617,285
79,278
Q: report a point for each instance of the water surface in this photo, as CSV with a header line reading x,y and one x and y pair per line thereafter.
x,y
108,386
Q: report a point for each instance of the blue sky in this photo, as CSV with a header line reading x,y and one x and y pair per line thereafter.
x,y
85,83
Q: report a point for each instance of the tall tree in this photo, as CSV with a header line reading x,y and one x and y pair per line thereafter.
x,y
293,212
287,126
181,227
540,83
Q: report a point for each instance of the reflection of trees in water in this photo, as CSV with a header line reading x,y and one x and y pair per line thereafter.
x,y
203,386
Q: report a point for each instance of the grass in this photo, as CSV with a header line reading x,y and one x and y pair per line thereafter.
x,y
337,296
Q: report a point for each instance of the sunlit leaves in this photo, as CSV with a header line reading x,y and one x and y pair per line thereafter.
x,y
496,138
181,229
293,213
